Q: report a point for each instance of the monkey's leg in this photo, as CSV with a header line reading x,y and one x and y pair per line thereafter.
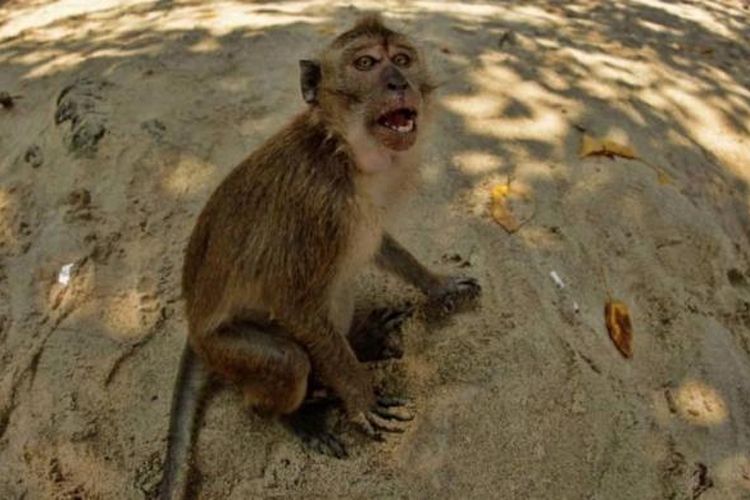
x,y
271,369
445,294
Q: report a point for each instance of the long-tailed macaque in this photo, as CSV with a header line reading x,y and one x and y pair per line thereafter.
x,y
269,268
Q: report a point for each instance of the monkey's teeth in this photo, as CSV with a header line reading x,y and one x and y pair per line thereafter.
x,y
402,129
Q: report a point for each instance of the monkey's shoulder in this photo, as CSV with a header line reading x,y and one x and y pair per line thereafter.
x,y
289,205
301,163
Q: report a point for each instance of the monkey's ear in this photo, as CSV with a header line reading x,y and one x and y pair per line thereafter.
x,y
309,80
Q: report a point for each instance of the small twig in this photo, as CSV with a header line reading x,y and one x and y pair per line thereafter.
x,y
26,366
607,289
125,355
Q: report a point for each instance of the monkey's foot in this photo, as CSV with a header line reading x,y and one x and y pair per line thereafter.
x,y
309,423
452,295
386,415
379,337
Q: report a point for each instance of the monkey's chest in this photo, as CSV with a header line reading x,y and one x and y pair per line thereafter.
x,y
379,196
382,194
364,241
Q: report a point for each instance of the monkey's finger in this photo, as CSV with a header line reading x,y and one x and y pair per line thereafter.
x,y
383,424
393,353
316,445
394,413
407,310
449,305
364,425
388,401
312,442
335,446
391,314
390,319
325,444
395,320
469,286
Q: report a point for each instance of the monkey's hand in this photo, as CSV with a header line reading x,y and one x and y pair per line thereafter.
x,y
451,295
384,415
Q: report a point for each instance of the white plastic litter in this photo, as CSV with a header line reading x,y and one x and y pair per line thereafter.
x,y
64,276
556,278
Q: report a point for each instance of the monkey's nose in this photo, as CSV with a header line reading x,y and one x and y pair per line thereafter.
x,y
394,80
401,84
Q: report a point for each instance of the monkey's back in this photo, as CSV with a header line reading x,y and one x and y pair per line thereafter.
x,y
270,234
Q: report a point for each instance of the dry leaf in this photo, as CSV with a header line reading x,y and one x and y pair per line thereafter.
x,y
500,210
617,317
511,206
591,146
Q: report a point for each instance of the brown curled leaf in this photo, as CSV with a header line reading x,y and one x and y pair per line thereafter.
x,y
617,317
592,146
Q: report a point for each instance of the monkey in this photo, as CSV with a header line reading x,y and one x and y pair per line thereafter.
x,y
269,267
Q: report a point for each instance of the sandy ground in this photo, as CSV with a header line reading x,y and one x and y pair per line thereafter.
x,y
130,113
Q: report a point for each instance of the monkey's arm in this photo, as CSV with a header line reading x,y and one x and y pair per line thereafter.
x,y
335,364
396,259
445,292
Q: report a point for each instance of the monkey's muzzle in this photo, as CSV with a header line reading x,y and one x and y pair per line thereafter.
x,y
396,129
401,120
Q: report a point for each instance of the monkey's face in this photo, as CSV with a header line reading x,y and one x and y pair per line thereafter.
x,y
371,81
385,78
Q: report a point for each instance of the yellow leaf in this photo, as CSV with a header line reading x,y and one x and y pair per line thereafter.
x,y
592,146
510,206
500,191
504,217
620,329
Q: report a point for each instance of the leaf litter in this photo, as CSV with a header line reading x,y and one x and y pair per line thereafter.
x,y
617,319
620,328
511,205
594,146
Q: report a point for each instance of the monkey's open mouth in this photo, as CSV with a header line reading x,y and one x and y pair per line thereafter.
x,y
401,120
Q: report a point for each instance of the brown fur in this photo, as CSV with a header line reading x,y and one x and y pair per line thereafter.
x,y
280,240
367,26
269,266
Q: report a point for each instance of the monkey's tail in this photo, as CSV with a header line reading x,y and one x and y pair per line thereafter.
x,y
187,402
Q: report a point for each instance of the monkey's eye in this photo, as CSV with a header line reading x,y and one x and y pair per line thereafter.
x,y
364,63
402,60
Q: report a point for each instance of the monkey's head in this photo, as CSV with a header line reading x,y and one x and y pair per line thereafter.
x,y
373,79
